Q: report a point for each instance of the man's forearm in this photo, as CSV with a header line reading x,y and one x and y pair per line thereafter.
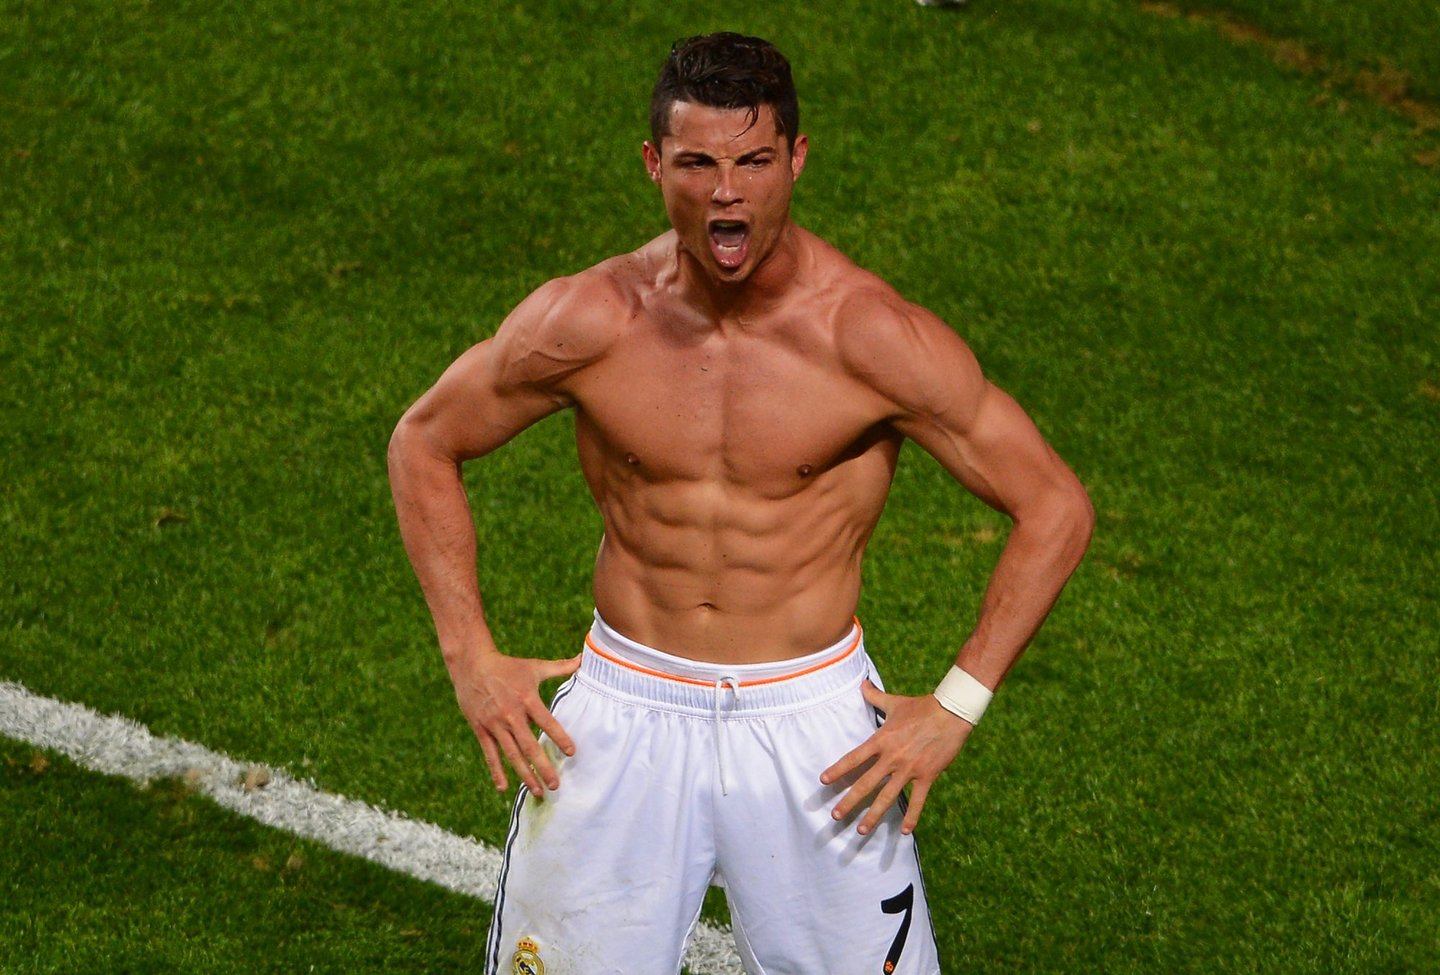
x,y
439,537
1039,557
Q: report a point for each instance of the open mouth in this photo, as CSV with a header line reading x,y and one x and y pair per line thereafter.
x,y
729,242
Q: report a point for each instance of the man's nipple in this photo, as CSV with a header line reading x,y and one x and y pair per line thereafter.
x,y
803,470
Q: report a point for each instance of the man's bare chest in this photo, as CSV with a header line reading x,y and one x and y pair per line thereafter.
x,y
739,408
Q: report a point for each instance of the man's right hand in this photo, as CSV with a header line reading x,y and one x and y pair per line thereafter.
x,y
500,697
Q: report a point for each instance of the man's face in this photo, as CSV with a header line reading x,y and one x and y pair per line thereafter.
x,y
726,184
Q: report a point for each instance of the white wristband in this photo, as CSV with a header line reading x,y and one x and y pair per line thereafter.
x,y
963,695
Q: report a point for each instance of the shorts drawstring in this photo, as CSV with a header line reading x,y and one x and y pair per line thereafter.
x,y
652,678
720,686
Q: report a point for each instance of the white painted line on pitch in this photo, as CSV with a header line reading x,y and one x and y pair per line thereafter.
x,y
119,746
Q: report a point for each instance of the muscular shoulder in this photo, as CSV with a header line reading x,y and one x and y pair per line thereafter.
x,y
566,324
905,352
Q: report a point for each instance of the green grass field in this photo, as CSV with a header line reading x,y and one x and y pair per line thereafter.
x,y
236,241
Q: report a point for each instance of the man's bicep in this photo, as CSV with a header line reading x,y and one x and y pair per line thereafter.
x,y
474,407
521,374
994,450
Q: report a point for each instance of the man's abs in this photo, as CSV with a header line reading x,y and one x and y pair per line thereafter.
x,y
723,573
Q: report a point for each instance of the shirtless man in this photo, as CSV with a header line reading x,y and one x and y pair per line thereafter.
x,y
741,391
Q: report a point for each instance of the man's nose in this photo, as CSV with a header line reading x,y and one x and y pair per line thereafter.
x,y
727,186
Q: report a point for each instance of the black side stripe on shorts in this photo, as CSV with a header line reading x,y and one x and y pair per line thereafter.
x,y
924,896
492,949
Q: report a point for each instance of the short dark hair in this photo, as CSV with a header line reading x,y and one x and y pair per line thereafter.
x,y
726,70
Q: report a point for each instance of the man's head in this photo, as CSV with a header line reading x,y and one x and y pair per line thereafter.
x,y
726,70
726,151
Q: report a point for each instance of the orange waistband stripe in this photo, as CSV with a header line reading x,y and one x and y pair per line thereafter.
x,y
621,662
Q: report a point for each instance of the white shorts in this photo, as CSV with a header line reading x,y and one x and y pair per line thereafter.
x,y
689,774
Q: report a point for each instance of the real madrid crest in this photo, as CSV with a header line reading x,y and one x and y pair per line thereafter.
x,y
526,960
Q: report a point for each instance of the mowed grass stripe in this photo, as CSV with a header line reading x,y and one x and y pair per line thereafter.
x,y
118,746
1384,83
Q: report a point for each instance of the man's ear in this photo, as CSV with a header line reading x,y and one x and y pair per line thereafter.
x,y
798,150
652,161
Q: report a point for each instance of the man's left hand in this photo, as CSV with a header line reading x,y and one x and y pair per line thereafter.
x,y
915,744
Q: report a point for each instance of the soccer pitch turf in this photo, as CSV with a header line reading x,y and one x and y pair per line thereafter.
x,y
235,242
